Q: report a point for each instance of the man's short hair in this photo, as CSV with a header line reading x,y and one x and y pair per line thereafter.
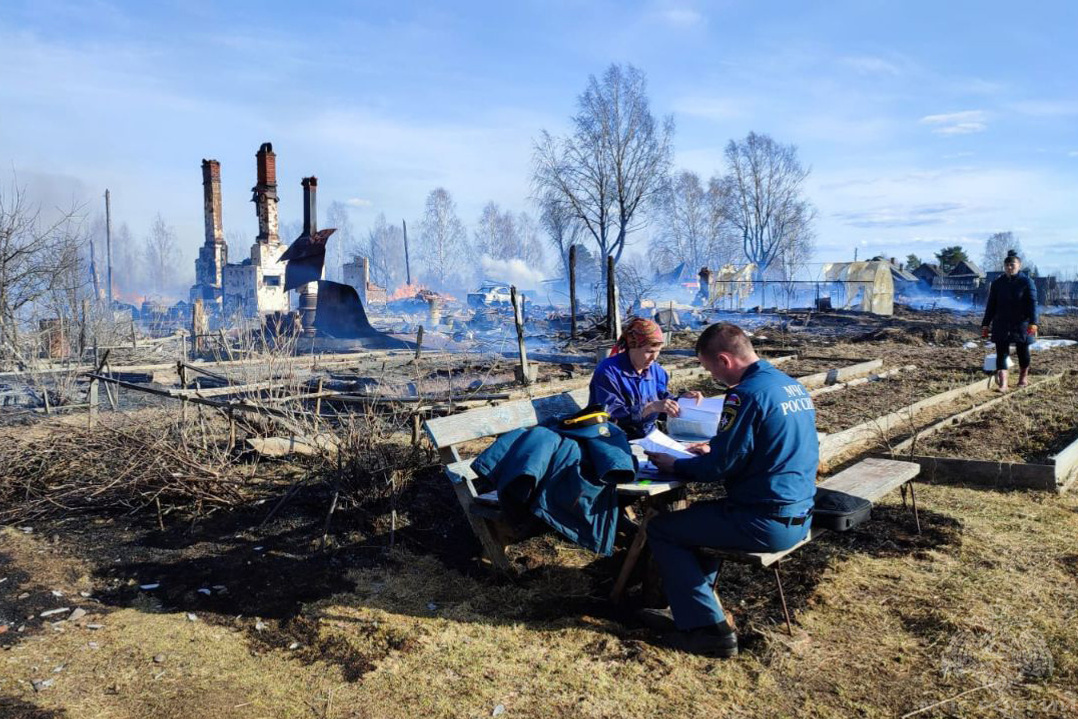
x,y
724,337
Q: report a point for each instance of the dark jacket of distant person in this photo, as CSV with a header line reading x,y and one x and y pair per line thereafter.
x,y
1011,308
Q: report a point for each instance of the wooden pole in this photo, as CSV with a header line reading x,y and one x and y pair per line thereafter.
x,y
318,402
572,292
108,246
518,320
418,341
92,400
611,300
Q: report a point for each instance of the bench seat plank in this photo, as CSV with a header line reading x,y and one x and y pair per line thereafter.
x,y
869,479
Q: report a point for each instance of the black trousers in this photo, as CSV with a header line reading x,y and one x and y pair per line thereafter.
x,y
1004,348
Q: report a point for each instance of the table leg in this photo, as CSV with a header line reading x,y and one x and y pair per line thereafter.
x,y
635,548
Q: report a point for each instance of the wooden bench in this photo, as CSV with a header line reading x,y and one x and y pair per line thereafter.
x,y
869,479
482,508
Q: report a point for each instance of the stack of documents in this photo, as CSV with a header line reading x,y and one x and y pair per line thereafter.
x,y
657,441
697,420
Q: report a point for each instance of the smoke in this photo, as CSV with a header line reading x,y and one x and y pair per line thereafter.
x,y
514,272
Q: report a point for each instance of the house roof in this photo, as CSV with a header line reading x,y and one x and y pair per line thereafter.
x,y
929,269
902,275
966,267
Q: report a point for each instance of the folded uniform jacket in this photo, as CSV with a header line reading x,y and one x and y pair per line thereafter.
x,y
566,477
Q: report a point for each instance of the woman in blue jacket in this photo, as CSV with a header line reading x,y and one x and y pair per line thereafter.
x,y
631,384
1011,316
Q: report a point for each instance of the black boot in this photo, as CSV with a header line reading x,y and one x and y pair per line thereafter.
x,y
717,640
660,620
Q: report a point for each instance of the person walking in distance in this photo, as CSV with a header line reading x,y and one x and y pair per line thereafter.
x,y
1011,317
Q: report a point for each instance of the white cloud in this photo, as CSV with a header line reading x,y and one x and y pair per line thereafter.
x,y
869,65
358,202
681,17
1072,153
957,123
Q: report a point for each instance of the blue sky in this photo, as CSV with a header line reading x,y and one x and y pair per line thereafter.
x,y
925,123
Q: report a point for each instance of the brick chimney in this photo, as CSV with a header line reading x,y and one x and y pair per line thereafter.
x,y
211,199
308,294
265,195
310,205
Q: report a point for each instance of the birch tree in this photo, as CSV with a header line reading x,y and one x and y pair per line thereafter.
x,y
443,241
614,162
764,199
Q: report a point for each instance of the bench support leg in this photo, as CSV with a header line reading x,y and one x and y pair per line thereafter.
x,y
492,547
782,598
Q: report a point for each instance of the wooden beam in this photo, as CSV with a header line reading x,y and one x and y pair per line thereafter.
x,y
839,374
861,380
954,419
841,445
1000,475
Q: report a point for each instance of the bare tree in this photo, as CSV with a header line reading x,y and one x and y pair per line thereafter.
x,y
344,239
790,261
613,164
562,229
505,236
37,256
385,248
160,254
126,269
995,250
636,280
692,227
443,241
531,247
763,197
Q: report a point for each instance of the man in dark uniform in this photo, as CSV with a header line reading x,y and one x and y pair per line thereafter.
x,y
766,453
1011,313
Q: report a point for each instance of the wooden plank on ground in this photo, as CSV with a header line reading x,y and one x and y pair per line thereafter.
x,y
1066,466
838,446
839,374
954,419
998,475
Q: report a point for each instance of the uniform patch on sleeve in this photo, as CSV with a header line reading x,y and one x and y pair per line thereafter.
x,y
726,419
733,399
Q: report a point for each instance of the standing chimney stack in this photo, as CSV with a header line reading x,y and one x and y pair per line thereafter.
x,y
265,195
211,199
308,296
310,208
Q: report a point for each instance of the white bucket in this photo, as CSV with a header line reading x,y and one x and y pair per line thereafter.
x,y
990,363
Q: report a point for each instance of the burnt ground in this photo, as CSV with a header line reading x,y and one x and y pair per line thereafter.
x,y
272,572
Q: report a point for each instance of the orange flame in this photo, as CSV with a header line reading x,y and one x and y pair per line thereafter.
x,y
405,292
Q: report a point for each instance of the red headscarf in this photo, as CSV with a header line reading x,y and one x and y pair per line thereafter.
x,y
638,333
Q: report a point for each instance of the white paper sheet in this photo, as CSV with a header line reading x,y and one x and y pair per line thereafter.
x,y
658,441
712,405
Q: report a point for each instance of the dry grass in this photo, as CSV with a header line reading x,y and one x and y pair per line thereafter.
x,y
886,624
